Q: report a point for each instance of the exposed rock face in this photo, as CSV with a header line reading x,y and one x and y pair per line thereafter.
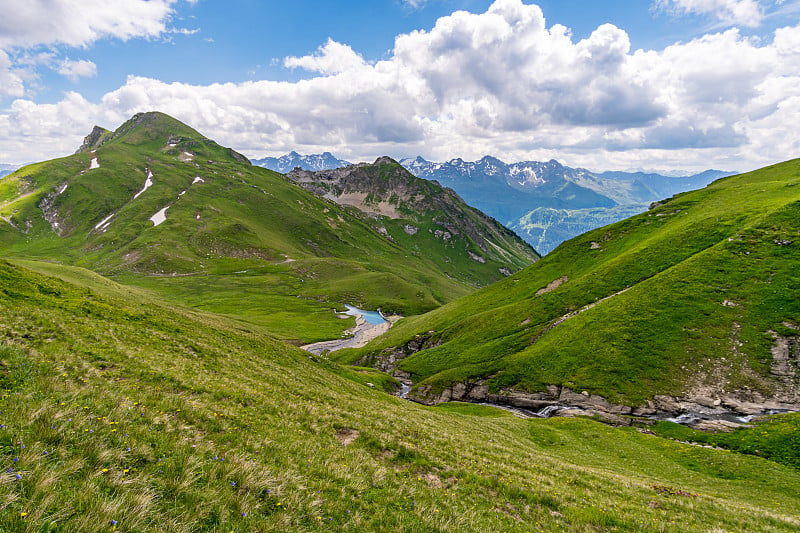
x,y
786,355
387,360
94,140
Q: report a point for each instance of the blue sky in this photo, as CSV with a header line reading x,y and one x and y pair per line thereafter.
x,y
664,84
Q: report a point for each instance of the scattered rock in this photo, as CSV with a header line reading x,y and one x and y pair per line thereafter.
x,y
346,436
476,257
553,285
444,235
715,425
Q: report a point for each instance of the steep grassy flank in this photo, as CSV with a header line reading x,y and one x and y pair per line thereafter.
x,y
691,294
237,239
119,411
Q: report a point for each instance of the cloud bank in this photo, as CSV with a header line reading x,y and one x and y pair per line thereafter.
x,y
499,82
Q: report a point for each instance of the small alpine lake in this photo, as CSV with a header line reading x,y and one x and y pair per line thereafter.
x,y
373,317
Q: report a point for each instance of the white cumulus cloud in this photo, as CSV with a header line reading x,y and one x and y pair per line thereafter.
x,y
11,82
740,12
331,58
80,22
500,82
77,69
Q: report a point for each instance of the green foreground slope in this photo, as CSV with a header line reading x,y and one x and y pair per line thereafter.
x,y
121,412
233,238
690,299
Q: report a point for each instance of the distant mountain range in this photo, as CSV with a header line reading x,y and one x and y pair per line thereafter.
x,y
6,169
292,160
545,203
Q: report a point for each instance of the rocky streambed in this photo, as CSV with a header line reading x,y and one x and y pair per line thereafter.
x,y
707,413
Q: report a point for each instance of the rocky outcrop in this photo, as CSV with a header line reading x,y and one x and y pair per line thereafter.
x,y
94,140
388,359
562,401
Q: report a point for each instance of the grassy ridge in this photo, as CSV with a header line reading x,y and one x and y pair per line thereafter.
x,y
120,409
661,298
243,241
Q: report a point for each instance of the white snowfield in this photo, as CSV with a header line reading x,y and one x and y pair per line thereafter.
x,y
93,164
147,183
103,224
160,216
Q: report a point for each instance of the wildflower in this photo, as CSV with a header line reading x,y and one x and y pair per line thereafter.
x,y
244,514
10,470
104,470
45,452
126,470
16,459
19,477
233,483
128,448
23,514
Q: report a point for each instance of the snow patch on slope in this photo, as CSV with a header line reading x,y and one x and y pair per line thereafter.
x,y
147,184
160,216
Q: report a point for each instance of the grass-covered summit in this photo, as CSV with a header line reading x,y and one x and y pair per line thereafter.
x,y
155,203
692,303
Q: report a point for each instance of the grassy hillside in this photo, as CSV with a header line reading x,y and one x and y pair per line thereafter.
x,y
122,412
687,299
233,238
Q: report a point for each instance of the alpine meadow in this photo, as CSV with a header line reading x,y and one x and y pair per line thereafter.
x,y
411,266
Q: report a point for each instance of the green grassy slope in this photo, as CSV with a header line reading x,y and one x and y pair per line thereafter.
x,y
243,241
691,294
121,412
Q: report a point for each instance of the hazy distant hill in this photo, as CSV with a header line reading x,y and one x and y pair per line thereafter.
x,y
6,169
292,160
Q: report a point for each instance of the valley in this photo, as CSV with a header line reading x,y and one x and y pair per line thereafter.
x,y
178,351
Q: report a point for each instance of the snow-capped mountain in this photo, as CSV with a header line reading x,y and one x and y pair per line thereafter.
x,y
292,160
511,192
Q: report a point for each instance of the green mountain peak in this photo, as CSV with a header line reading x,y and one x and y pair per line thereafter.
x,y
691,306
